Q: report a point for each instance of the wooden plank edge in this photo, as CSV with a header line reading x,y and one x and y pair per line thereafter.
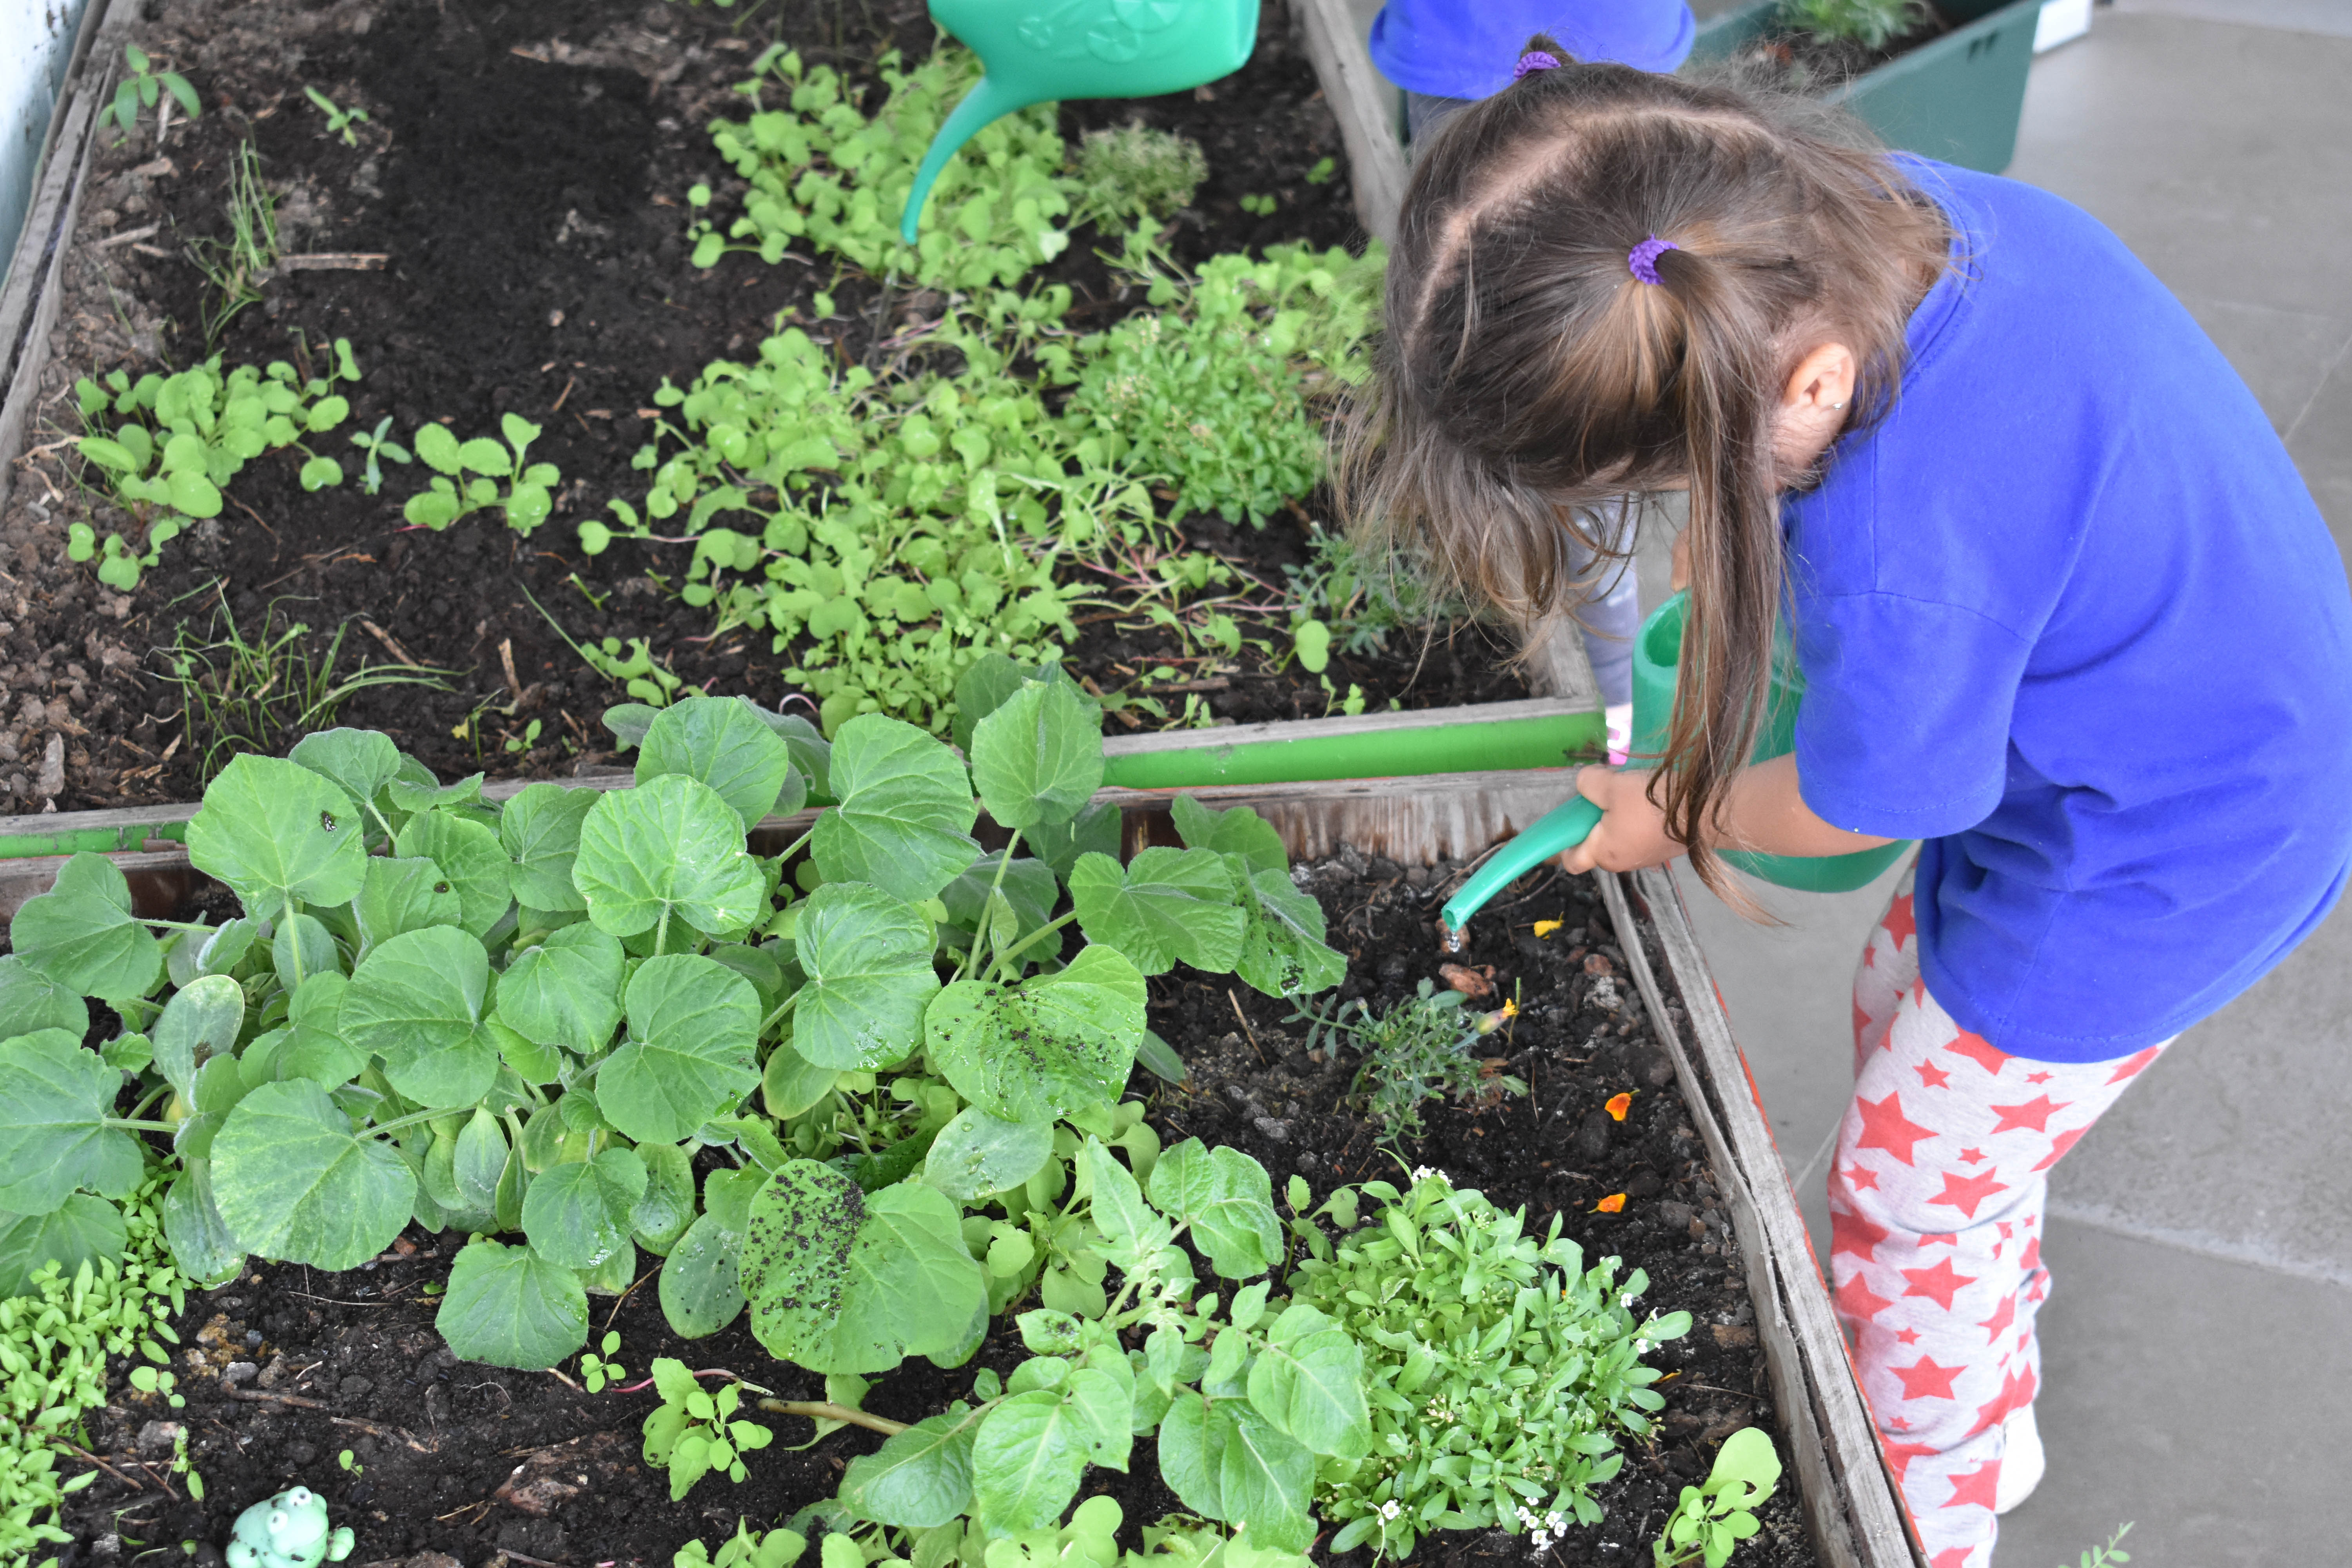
x,y
1376,163
1881,1525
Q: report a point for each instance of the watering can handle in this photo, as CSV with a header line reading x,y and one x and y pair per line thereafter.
x,y
1556,832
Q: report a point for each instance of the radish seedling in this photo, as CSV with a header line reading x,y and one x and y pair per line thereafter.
x,y
468,474
143,89
339,120
377,446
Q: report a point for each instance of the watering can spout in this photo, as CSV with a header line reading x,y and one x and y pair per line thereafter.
x,y
989,100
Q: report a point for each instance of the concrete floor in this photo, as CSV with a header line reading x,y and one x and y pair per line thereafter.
x,y
2202,1238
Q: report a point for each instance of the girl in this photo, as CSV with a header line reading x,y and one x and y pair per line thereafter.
x,y
2065,611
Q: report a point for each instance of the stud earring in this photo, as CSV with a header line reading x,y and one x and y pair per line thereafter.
x,y
1837,405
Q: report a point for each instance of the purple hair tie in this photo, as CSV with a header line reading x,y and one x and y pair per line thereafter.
x,y
1642,259
1535,60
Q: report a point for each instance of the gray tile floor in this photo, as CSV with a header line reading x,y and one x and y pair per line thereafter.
x,y
2197,1341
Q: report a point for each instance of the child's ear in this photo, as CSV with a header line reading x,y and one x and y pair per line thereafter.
x,y
1823,380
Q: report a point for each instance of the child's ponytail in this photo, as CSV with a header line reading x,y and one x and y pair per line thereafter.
x,y
1602,279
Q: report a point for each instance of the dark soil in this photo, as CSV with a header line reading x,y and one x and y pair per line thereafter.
x,y
1809,63
285,1368
524,170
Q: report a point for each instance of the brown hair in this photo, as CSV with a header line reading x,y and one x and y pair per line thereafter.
x,y
1525,375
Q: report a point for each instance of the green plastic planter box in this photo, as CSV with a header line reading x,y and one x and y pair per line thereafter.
x,y
1957,98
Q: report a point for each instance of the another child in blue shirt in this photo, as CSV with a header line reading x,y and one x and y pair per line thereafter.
x,y
2064,608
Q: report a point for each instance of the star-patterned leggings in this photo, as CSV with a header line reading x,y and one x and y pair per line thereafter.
x,y
1935,1201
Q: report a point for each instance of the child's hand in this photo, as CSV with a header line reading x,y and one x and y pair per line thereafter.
x,y
1631,832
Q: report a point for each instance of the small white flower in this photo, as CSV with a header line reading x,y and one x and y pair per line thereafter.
x,y
1390,1510
1429,1173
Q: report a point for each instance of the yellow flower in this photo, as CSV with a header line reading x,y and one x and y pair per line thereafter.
x,y
1613,1203
1545,928
1619,1105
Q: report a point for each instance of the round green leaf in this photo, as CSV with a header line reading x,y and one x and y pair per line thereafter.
x,y
84,1229
201,1021
1038,1050
471,859
720,742
692,1025
977,1152
1026,1461
202,1246
842,1281
194,494
1167,907
661,1217
578,1214
700,1287
403,895
293,1183
509,1307
31,1002
671,845
868,961
566,991
82,935
415,1002
905,819
920,1478
540,830
272,830
1038,757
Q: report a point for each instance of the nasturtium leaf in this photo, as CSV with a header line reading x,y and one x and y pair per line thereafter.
x,y
991,678
670,847
31,1002
812,752
660,1216
720,742
202,1246
868,961
977,1152
628,722
790,1083
700,1286
1308,1381
415,1002
314,1047
201,1021
905,819
1282,954
293,1183
1167,907
540,831
358,762
509,1307
274,830
1035,1051
1038,757
1028,886
578,1214
566,990
471,858
480,1159
303,947
920,1478
1026,1461
844,1281
82,935
1094,830
83,1229
402,895
693,1023
1228,1199
1239,831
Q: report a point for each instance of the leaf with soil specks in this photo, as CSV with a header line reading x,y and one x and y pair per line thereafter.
x,y
55,1099
700,1287
565,991
841,1281
868,961
294,1184
274,830
1037,1051
415,1002
905,819
1166,907
670,847
692,1025
1282,954
509,1307
802,1227
919,1480
83,1230
82,934
721,741
540,831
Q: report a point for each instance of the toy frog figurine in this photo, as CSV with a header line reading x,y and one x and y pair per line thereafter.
x,y
288,1530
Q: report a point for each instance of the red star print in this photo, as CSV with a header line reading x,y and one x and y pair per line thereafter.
x,y
1859,1177
1883,1126
1933,1076
1850,1233
2058,1147
2031,1259
2006,1230
1975,1489
1900,1455
1973,1156
1908,1337
1979,1050
1950,1557
1900,922
1855,1299
2002,1317
1949,1238
1926,1380
1938,1284
2130,1067
2037,1078
2016,1389
1965,1193
2034,1113
1861,1020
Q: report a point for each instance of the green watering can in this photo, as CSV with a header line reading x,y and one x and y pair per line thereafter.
x,y
1657,650
1037,51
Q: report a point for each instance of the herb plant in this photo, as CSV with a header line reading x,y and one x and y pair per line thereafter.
x,y
1871,24
378,449
1498,1370
339,120
1717,1515
143,89
183,437
1417,1051
501,478
2101,1556
1133,173
694,1431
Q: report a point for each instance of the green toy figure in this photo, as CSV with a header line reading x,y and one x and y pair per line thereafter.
x,y
288,1530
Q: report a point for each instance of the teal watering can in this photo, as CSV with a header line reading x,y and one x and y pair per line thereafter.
x,y
1037,51
1657,651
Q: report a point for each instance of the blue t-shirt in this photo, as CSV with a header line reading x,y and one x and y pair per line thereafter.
x,y
1468,48
2070,615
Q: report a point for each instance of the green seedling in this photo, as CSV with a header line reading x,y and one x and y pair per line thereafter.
x,y
597,1367
695,1431
379,448
1323,171
351,1464
526,740
1714,1517
2101,1556
747,1548
1873,24
471,475
1417,1051
1134,173
1363,599
1481,1342
238,265
1260,205
339,120
143,89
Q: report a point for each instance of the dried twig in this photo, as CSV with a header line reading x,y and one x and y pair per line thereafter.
x,y
84,1453
128,237
335,261
372,1429
391,643
264,1396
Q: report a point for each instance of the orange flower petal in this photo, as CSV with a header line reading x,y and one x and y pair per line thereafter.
x,y
1545,928
1613,1203
1619,1105
1510,1008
